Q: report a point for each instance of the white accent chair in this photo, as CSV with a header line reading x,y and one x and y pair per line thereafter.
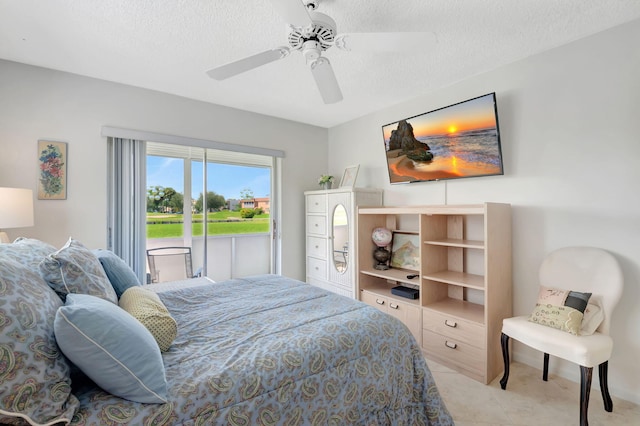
x,y
583,269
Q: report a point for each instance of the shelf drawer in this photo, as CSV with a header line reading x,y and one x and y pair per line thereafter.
x,y
410,315
317,247
317,203
453,351
374,300
317,225
454,328
316,268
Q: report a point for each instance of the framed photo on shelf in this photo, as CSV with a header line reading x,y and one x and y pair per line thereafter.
x,y
405,251
349,176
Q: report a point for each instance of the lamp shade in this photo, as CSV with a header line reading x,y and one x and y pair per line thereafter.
x,y
16,208
381,237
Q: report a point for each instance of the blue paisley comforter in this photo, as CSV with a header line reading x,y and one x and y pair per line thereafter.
x,y
268,350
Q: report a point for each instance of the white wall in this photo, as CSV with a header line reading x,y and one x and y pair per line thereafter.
x,y
37,103
570,127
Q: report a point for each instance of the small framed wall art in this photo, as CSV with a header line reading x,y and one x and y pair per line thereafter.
x,y
349,176
52,165
405,251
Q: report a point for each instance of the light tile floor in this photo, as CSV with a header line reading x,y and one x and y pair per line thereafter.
x,y
528,400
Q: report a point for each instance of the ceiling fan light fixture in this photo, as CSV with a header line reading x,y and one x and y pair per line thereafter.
x,y
311,51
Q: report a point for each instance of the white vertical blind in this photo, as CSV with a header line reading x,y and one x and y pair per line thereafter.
x,y
127,202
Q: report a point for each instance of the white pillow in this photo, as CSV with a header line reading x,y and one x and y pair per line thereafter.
x,y
593,317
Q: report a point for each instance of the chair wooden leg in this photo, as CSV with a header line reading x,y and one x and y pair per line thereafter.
x,y
585,387
504,341
604,386
545,367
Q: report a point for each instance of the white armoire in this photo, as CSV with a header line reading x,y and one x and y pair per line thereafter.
x,y
331,239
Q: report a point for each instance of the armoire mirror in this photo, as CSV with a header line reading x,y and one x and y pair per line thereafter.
x,y
340,240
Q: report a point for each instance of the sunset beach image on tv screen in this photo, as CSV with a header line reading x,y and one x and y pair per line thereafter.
x,y
457,141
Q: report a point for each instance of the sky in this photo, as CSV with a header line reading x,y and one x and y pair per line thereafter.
x,y
223,179
478,113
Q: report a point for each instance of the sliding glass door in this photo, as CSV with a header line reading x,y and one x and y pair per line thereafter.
x,y
219,203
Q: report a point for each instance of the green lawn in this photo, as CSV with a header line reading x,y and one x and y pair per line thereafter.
x,y
258,224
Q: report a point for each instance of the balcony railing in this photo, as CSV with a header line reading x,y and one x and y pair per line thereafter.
x,y
228,256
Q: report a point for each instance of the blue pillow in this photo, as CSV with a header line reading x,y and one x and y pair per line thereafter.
x,y
119,273
112,348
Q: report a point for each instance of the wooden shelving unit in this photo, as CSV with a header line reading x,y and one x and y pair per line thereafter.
x,y
464,279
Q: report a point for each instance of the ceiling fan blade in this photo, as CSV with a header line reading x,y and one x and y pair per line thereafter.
x,y
385,42
293,12
234,68
326,80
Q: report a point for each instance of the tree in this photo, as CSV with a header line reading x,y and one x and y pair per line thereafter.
x,y
176,203
246,194
161,199
214,202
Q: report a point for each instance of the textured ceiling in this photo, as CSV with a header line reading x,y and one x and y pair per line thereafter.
x,y
168,45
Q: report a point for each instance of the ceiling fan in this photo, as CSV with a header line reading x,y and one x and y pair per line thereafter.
x,y
312,33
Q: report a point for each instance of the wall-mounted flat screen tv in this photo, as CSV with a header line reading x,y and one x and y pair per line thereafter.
x,y
457,141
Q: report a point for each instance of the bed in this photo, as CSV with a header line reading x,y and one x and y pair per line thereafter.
x,y
269,350
272,350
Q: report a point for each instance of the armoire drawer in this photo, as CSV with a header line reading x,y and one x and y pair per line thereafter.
x,y
455,328
317,225
317,247
317,268
317,203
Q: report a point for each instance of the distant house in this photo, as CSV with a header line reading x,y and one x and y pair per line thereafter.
x,y
232,204
256,203
262,203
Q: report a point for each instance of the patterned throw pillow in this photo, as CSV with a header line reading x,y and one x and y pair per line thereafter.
x,y
75,269
552,296
26,251
560,309
563,318
34,375
111,348
145,306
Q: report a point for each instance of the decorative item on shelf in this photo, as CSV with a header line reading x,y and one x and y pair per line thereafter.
x,y
381,238
349,176
405,251
16,210
325,181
